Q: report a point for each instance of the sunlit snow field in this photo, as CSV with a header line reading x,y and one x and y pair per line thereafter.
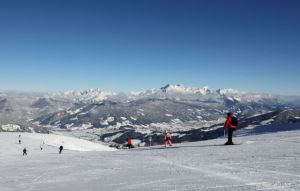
x,y
259,162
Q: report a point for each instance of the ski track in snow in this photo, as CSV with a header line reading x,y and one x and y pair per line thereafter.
x,y
261,162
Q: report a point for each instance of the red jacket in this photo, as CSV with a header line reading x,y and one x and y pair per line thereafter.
x,y
228,122
168,136
129,141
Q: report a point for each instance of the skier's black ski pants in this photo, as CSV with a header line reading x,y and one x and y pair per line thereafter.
x,y
230,131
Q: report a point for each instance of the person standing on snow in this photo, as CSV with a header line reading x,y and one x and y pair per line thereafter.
x,y
24,151
129,143
60,149
150,141
230,126
19,138
168,138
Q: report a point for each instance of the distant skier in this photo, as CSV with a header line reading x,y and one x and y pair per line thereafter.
x,y
19,141
230,125
168,138
60,149
129,143
150,141
24,151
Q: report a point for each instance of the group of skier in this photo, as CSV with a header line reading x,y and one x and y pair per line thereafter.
x,y
60,150
229,125
167,140
25,150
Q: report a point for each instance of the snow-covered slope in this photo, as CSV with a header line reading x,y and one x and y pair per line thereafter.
x,y
49,142
261,162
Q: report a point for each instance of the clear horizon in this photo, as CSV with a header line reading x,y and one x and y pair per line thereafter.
x,y
133,45
132,91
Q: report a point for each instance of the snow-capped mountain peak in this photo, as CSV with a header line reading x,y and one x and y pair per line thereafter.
x,y
172,91
229,91
178,88
90,95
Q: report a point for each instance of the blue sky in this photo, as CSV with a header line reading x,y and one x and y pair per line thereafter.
x,y
130,45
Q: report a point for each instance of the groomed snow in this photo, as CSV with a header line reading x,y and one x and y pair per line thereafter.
x,y
269,162
33,141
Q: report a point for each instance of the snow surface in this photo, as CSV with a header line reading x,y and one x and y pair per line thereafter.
x,y
33,141
261,162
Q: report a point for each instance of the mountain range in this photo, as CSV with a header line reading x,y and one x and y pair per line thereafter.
x,y
188,112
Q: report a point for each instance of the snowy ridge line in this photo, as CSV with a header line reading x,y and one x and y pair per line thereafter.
x,y
169,90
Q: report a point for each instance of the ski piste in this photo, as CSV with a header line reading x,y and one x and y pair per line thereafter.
x,y
256,164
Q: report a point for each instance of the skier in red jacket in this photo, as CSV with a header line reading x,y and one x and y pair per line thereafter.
x,y
168,139
129,143
230,127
